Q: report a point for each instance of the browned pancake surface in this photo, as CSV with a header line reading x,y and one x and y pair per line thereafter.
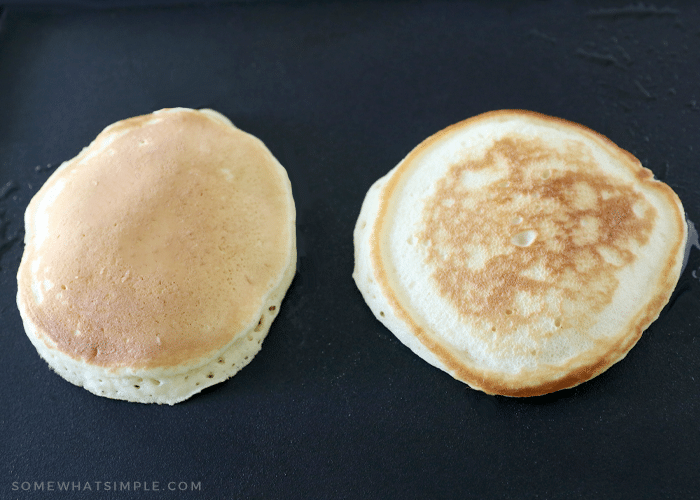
x,y
566,230
160,247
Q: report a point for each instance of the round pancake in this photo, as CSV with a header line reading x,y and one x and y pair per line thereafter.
x,y
156,260
520,253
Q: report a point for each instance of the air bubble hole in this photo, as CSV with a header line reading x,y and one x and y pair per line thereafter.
x,y
260,324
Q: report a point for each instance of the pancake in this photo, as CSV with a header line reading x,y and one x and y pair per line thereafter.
x,y
520,253
156,260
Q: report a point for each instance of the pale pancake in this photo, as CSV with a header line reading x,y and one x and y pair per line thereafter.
x,y
156,260
520,253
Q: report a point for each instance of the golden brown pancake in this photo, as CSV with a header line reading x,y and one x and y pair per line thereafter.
x,y
156,260
520,253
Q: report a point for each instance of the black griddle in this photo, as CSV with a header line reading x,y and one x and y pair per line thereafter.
x,y
334,406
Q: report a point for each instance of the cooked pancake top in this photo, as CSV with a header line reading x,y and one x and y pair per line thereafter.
x,y
542,238
514,242
158,243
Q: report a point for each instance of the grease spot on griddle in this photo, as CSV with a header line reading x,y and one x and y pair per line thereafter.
x,y
8,188
600,58
643,90
538,34
639,10
691,242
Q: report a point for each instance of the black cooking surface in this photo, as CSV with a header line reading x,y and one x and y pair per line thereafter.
x,y
334,406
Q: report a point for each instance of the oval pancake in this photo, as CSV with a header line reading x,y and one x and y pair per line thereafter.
x,y
520,253
156,260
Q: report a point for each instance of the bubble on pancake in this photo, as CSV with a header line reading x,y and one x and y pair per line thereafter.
x,y
524,238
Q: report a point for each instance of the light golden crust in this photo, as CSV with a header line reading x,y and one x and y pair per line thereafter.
x,y
532,256
170,235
